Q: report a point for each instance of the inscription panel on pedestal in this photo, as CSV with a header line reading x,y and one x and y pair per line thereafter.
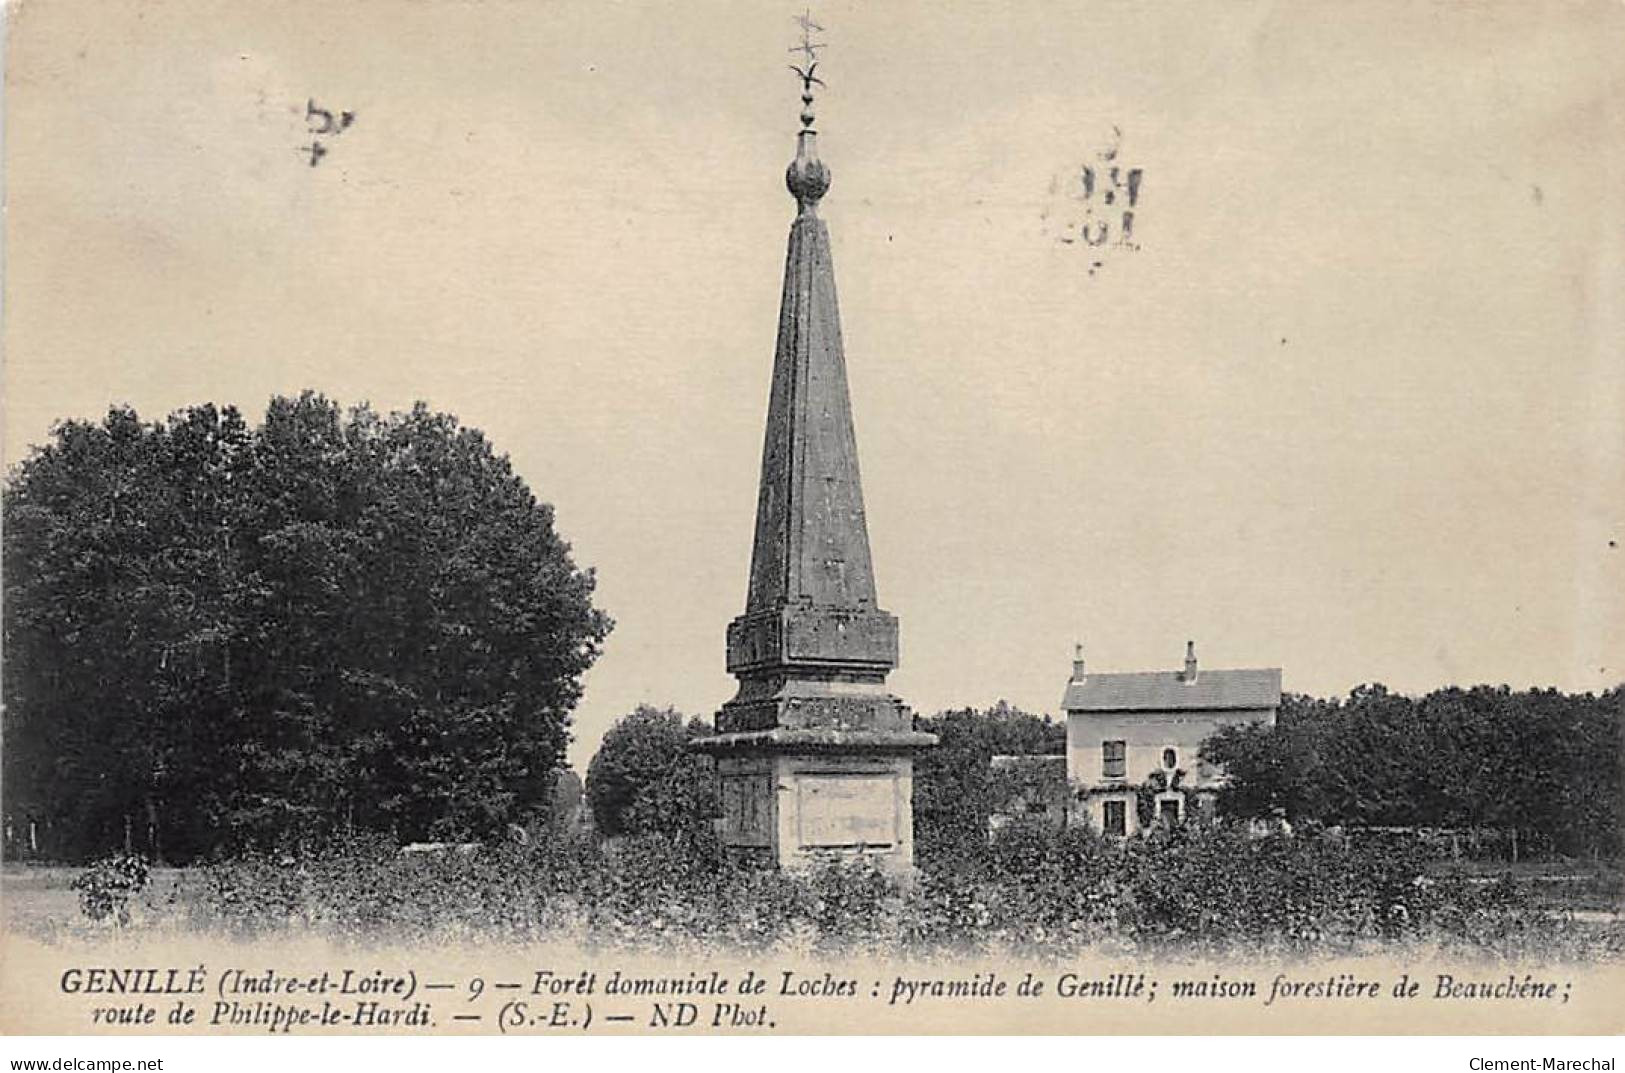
x,y
846,810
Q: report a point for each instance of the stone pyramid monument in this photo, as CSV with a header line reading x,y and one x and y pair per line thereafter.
x,y
814,756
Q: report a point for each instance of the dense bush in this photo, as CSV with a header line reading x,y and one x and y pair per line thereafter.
x,y
642,891
106,887
644,779
1033,890
955,786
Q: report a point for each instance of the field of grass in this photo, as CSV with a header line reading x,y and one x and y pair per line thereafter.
x,y
39,899
1593,888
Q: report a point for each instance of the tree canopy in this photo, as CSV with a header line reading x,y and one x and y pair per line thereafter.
x,y
644,779
1539,762
222,635
955,788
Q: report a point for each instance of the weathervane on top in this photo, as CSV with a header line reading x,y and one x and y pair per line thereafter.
x,y
807,70
807,177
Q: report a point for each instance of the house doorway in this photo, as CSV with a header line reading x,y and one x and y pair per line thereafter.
x,y
1168,811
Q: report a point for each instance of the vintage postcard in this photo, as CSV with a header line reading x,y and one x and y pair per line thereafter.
x,y
467,572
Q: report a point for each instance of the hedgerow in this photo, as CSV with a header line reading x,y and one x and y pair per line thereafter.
x,y
1032,890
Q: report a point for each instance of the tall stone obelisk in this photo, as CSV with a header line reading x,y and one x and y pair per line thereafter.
x,y
814,755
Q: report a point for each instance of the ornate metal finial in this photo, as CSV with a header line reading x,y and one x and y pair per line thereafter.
x,y
807,177
807,70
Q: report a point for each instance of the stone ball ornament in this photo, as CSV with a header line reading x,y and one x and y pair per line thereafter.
x,y
807,178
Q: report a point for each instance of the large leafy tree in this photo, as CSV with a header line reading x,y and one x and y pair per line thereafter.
x,y
220,635
644,778
955,787
1271,769
1541,765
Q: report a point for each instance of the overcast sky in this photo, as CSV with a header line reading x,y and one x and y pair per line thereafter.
x,y
1355,407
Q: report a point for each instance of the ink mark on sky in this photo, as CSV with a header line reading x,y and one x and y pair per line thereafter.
x,y
1093,205
322,123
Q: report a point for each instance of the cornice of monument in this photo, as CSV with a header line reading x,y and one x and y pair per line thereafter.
x,y
815,740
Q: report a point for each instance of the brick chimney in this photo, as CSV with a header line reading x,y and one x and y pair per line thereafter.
x,y
1077,663
1190,662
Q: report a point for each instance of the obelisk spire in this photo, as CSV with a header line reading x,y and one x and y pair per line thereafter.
x,y
814,757
812,539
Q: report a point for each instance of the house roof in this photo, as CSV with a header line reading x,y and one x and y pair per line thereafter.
x,y
1161,691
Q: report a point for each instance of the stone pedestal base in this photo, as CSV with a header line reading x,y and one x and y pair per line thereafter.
x,y
794,798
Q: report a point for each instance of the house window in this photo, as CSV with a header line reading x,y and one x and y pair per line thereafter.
x,y
1115,817
1112,759
1170,759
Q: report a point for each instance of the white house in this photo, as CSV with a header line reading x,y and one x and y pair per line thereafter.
x,y
1139,733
